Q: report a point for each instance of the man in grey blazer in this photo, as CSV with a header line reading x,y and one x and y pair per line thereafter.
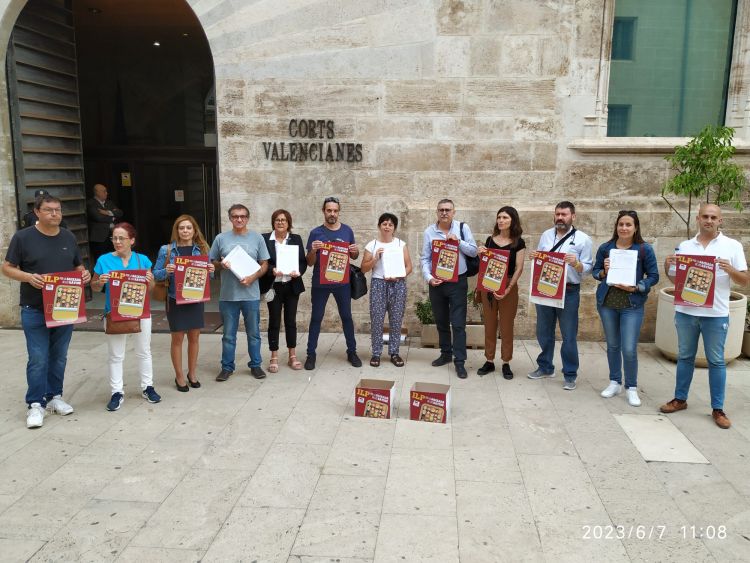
x,y
102,215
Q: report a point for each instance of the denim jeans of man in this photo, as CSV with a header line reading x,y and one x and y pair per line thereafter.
x,y
230,316
319,296
48,354
622,327
546,319
714,332
448,302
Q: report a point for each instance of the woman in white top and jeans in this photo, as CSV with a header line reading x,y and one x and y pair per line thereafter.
x,y
386,294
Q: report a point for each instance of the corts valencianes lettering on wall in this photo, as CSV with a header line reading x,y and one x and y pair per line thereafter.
x,y
302,151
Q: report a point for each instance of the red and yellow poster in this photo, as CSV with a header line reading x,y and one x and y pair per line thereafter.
x,y
191,279
333,258
548,275
63,300
493,270
695,280
445,260
129,295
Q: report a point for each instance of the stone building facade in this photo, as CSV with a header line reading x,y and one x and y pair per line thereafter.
x,y
487,102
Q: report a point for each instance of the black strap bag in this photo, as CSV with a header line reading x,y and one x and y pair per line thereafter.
x,y
472,262
357,282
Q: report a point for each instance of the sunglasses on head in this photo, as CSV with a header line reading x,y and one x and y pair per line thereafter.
x,y
331,200
629,213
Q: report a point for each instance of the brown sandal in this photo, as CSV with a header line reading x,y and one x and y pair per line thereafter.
x,y
397,361
294,363
273,365
375,361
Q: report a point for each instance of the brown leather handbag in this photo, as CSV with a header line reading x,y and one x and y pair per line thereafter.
x,y
130,326
161,288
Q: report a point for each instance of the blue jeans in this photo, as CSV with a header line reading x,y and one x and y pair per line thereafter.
x,y
48,354
230,316
714,331
319,297
546,318
622,328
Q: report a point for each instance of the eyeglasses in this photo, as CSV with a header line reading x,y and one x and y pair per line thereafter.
x,y
238,217
331,199
280,220
118,239
445,210
50,210
629,213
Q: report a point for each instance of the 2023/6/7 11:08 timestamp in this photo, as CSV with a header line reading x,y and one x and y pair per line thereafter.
x,y
651,532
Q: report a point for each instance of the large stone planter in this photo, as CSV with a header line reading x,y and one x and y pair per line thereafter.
x,y
666,334
474,336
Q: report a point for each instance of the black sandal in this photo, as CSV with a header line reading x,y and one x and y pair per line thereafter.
x,y
397,361
375,361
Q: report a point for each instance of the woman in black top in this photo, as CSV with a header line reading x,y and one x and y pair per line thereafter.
x,y
286,289
501,308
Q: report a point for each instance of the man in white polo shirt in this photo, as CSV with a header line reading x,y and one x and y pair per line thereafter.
x,y
713,323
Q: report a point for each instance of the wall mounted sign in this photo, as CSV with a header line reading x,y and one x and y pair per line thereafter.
x,y
316,143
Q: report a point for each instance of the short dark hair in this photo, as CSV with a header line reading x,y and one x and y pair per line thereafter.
x,y
235,207
566,205
388,217
286,214
127,227
446,200
331,199
47,198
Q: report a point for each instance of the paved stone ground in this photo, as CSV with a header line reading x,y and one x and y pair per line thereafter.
x,y
281,470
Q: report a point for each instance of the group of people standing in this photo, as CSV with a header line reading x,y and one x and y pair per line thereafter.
x,y
47,248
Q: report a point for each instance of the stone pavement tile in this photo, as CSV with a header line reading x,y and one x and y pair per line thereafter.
x,y
310,559
731,546
567,541
362,447
99,532
648,523
204,420
306,426
14,435
256,534
417,537
337,534
486,464
477,404
116,447
286,478
538,432
273,400
349,493
133,554
194,512
492,432
559,489
420,482
242,444
33,464
522,393
18,549
702,492
40,517
413,434
153,475
495,523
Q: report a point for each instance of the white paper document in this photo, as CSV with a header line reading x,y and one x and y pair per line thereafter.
x,y
622,267
287,258
393,263
241,263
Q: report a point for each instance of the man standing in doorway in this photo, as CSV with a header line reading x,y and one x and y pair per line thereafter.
x,y
448,299
43,249
576,245
712,323
102,215
332,230
239,295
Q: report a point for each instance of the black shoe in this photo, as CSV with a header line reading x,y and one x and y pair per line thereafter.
x,y
223,375
461,371
194,384
310,363
181,388
507,372
354,359
488,367
257,373
442,360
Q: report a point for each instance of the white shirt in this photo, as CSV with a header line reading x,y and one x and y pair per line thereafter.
x,y
720,247
373,246
579,243
283,278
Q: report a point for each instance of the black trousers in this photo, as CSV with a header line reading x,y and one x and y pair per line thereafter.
x,y
287,300
449,309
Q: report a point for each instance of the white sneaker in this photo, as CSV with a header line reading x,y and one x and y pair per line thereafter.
x,y
57,405
35,416
633,399
612,389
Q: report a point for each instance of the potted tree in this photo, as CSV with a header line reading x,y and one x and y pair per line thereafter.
x,y
429,336
704,173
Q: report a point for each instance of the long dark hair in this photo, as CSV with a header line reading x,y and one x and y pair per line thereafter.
x,y
515,223
637,238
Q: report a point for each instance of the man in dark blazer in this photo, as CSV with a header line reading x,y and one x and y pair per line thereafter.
x,y
282,291
102,215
